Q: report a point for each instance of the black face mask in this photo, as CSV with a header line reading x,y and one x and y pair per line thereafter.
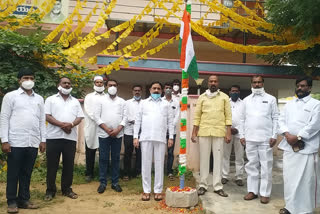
x,y
304,93
234,96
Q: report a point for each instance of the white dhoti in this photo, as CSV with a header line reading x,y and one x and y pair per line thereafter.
x,y
149,150
301,182
259,156
206,145
239,162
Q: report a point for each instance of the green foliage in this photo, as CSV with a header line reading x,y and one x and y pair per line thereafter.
x,y
302,16
303,19
29,50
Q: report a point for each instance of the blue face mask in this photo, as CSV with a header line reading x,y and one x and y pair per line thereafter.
x,y
155,96
137,98
234,96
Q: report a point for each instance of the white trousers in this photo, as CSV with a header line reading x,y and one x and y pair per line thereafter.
x,y
239,152
301,182
149,150
206,145
259,156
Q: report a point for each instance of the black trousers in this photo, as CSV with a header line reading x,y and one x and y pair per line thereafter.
x,y
128,149
90,160
56,147
20,165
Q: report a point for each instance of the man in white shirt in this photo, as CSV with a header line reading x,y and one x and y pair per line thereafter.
x,y
22,133
63,114
90,126
176,84
110,117
175,108
299,122
153,119
258,132
236,108
132,106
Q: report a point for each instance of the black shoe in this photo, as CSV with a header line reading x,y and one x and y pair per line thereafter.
x,y
101,189
116,188
201,191
48,197
224,180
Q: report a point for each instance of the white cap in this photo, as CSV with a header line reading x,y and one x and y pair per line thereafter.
x,y
97,78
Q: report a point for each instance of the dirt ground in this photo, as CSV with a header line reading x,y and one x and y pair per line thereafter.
x,y
89,201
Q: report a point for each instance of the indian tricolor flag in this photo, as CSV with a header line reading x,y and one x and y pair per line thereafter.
x,y
188,60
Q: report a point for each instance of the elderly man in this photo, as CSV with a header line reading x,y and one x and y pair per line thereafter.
x,y
236,108
299,123
258,132
63,114
111,118
212,124
132,107
22,133
153,119
90,126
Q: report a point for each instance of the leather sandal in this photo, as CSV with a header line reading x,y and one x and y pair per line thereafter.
x,y
12,209
221,193
250,196
71,195
158,196
145,197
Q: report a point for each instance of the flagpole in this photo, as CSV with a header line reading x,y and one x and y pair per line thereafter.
x,y
183,121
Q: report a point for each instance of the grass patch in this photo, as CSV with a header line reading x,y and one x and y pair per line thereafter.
x,y
108,204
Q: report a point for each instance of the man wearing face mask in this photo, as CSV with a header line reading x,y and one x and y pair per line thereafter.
x,y
132,106
258,132
63,114
212,125
110,116
90,126
175,108
236,108
176,90
22,133
299,122
153,120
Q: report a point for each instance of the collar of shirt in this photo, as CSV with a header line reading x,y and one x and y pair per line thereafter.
x,y
151,99
305,99
262,94
164,98
21,91
238,100
97,93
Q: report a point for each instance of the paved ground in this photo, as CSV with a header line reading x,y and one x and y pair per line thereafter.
x,y
234,204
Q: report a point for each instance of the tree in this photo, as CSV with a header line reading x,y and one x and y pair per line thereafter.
x,y
302,19
18,51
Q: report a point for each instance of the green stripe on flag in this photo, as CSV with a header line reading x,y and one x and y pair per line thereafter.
x,y
193,69
188,8
185,75
184,100
180,45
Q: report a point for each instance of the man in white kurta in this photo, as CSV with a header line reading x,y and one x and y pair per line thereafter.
x,y
258,131
154,118
236,108
90,126
300,120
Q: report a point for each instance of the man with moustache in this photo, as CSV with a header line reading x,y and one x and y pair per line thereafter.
x,y
236,108
299,123
22,122
153,119
258,132
132,106
175,108
63,114
90,126
212,125
111,118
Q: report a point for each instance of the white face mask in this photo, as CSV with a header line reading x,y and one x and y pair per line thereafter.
x,y
257,90
176,88
98,89
64,90
112,90
27,84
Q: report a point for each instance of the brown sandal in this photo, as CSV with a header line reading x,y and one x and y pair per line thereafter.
x,y
158,196
145,197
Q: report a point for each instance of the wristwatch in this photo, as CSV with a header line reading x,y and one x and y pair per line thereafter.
x,y
299,138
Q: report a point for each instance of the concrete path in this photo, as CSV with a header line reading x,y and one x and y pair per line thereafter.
x,y
234,204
